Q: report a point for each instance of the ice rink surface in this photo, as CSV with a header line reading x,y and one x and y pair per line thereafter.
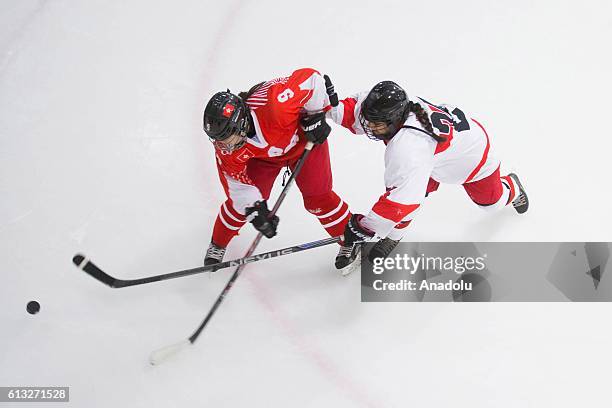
x,y
102,152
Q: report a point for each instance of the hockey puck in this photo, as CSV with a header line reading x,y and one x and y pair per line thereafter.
x,y
33,307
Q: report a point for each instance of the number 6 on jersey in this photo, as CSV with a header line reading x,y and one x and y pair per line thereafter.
x,y
285,95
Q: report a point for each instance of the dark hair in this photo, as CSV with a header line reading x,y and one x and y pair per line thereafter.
x,y
246,95
423,119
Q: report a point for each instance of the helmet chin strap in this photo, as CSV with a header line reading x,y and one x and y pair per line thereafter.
x,y
250,126
392,131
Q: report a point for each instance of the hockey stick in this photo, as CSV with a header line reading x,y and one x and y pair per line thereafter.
x,y
93,270
162,354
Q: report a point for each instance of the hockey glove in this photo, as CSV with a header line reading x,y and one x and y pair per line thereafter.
x,y
259,216
354,232
315,127
329,87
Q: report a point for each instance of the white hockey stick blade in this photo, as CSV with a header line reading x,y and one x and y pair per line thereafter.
x,y
159,356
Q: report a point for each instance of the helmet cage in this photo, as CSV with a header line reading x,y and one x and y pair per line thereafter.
x,y
392,119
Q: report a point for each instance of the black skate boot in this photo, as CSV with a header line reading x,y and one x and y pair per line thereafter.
x,y
214,255
347,258
382,249
520,203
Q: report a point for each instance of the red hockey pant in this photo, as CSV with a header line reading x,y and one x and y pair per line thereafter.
x,y
314,182
493,191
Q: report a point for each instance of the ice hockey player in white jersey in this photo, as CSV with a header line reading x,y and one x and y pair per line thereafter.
x,y
427,144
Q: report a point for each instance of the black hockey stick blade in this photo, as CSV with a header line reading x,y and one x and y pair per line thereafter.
x,y
94,271
90,268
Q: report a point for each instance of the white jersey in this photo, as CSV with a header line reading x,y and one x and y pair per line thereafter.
x,y
412,157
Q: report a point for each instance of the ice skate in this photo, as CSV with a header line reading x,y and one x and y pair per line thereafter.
x,y
348,259
214,254
382,249
520,203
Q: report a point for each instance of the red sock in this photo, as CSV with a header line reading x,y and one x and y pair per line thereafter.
x,y
227,225
330,210
509,183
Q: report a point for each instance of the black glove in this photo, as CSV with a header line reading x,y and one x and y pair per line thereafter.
x,y
259,215
354,232
315,127
329,87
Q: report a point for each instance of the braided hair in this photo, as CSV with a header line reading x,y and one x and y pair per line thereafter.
x,y
246,95
423,118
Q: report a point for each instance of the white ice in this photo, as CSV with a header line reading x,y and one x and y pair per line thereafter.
x,y
102,152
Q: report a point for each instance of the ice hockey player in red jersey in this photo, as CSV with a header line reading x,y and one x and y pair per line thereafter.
x,y
256,134
426,144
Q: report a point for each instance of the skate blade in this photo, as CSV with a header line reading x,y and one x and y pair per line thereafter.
x,y
353,266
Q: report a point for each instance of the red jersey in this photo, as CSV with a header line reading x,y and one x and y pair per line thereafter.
x,y
275,107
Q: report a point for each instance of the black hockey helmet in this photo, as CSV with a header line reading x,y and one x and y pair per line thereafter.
x,y
387,103
225,115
